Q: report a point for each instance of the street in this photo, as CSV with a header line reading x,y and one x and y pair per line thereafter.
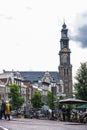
x,y
35,124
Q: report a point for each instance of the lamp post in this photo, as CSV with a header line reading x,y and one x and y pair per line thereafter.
x,y
52,89
52,102
58,98
59,94
58,107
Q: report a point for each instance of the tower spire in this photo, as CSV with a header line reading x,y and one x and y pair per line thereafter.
x,y
64,25
63,20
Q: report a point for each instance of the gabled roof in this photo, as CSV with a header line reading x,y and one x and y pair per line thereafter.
x,y
35,76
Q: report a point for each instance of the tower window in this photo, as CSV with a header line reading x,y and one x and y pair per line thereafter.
x,y
65,72
65,44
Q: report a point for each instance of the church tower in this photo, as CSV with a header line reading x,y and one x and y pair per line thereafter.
x,y
65,67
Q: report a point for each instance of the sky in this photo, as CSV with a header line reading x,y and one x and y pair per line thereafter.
x,y
30,32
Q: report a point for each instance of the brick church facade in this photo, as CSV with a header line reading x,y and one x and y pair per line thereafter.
x,y
65,67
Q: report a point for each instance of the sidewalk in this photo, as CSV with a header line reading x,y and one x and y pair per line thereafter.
x,y
2,128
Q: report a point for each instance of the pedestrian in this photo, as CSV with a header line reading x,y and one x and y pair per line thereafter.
x,y
63,112
8,110
3,109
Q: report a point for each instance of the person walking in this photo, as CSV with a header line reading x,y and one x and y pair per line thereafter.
x,y
64,112
7,110
3,109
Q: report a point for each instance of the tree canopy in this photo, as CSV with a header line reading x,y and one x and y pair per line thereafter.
x,y
81,84
16,99
36,100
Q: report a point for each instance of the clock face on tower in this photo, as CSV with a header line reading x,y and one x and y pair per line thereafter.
x,y
65,49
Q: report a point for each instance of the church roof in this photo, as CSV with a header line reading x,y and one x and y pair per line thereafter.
x,y
35,76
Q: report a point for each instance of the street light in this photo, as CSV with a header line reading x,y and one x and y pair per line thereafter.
x,y
52,89
58,98
59,94
58,108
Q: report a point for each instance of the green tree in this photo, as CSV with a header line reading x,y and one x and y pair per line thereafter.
x,y
81,84
50,99
36,100
16,99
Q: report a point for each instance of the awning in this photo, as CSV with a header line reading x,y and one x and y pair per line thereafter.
x,y
84,106
72,101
